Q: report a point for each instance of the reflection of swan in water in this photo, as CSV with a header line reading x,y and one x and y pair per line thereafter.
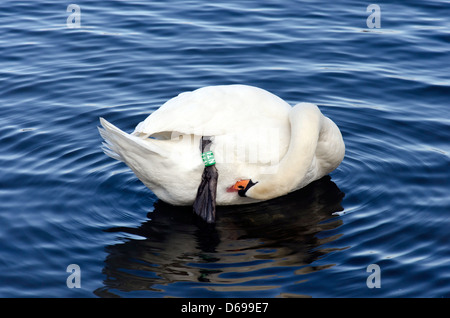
x,y
225,256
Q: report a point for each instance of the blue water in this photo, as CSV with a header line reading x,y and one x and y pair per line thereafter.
x,y
62,201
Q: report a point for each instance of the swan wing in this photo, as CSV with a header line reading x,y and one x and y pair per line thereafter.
x,y
120,145
216,110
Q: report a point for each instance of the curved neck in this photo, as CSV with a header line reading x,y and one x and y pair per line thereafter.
x,y
306,123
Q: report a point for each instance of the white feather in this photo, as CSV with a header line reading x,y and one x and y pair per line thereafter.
x,y
256,135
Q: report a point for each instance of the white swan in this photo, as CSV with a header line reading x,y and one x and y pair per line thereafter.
x,y
255,136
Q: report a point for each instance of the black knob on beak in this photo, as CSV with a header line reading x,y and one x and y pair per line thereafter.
x,y
243,190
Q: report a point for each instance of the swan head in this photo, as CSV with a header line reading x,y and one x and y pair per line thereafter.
x,y
242,186
259,190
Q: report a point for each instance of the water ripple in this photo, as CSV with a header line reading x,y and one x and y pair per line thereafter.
x,y
62,201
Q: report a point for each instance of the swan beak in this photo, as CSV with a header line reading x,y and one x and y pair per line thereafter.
x,y
241,187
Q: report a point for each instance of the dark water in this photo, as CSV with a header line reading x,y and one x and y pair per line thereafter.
x,y
62,201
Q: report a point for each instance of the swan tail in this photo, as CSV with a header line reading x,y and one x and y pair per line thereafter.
x,y
122,146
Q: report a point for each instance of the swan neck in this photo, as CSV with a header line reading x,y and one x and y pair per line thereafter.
x,y
306,121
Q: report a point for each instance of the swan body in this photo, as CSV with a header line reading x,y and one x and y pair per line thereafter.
x,y
255,135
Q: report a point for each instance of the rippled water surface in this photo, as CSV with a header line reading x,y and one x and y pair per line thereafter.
x,y
62,201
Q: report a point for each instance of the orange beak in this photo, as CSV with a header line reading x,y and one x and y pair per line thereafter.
x,y
240,185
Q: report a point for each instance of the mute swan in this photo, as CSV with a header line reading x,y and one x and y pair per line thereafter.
x,y
256,147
